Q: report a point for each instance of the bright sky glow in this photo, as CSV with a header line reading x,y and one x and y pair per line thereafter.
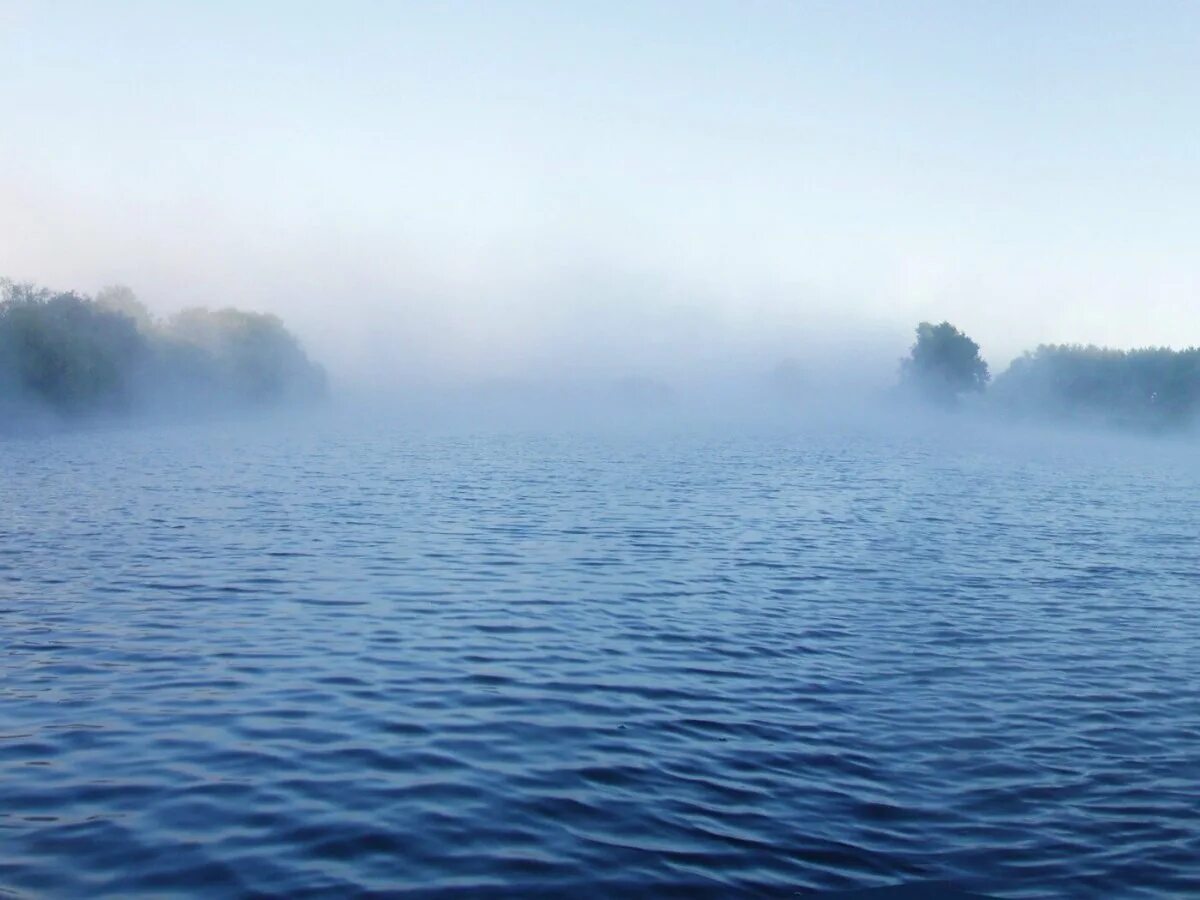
x,y
483,188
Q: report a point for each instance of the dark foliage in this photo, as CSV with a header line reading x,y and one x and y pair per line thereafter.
x,y
1152,387
74,356
943,364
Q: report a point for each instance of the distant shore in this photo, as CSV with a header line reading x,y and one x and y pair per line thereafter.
x,y
71,356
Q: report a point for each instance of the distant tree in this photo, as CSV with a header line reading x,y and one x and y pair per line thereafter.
x,y
943,364
120,299
69,355
257,359
1152,387
65,351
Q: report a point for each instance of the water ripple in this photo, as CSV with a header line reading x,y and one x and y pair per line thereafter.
x,y
338,664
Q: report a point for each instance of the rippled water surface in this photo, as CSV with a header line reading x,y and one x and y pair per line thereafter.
x,y
335,660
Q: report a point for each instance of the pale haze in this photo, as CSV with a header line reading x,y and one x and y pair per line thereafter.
x,y
446,191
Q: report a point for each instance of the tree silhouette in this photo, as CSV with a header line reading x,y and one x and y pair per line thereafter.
x,y
71,355
943,364
1153,387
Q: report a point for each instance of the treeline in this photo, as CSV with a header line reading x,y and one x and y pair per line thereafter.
x,y
1154,387
1151,387
75,356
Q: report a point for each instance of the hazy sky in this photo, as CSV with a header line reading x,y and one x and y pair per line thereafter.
x,y
494,187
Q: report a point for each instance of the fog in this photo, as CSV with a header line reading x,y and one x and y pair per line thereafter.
x,y
448,320
453,196
611,448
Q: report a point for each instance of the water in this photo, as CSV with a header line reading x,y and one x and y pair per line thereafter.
x,y
336,660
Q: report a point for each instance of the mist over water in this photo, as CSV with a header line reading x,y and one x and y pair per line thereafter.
x,y
766,625
620,449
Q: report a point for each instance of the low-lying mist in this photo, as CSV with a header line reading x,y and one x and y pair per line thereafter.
x,y
67,357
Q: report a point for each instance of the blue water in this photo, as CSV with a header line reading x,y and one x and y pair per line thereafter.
x,y
341,658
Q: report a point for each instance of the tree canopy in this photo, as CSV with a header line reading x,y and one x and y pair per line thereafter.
x,y
943,364
74,356
1149,387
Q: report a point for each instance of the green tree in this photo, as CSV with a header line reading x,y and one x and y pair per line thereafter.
x,y
1151,387
120,299
943,364
69,355
64,351
254,357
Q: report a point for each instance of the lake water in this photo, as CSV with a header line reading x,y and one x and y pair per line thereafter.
x,y
339,658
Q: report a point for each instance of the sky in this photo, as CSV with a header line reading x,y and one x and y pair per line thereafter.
x,y
460,190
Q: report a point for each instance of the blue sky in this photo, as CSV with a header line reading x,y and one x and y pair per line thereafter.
x,y
484,188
